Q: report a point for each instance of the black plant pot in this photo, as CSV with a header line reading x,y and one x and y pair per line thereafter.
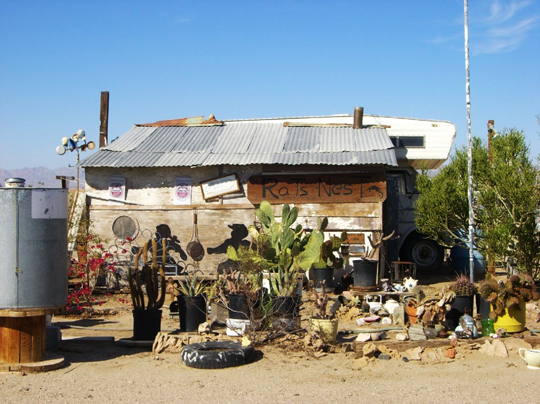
x,y
146,324
192,312
286,306
238,307
365,273
461,302
323,274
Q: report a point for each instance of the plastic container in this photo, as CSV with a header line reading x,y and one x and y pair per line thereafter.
x,y
488,327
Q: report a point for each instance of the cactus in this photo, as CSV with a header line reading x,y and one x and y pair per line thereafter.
x,y
279,248
150,278
463,286
506,295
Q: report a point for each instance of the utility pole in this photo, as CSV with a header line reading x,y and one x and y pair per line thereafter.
x,y
104,119
469,143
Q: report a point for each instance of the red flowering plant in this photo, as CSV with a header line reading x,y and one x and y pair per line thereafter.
x,y
94,261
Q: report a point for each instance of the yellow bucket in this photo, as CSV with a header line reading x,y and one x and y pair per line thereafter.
x,y
327,329
512,320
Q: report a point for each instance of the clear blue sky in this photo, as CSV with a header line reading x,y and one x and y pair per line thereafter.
x,y
167,59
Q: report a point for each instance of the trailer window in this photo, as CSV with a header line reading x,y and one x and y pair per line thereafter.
x,y
408,141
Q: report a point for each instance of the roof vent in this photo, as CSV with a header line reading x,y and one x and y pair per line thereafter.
x,y
358,117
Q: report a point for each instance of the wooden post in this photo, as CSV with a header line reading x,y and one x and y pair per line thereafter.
x,y
104,119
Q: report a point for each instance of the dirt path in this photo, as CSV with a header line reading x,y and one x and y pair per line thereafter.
x,y
99,370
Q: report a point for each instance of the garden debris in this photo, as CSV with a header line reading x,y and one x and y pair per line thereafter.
x,y
175,342
494,348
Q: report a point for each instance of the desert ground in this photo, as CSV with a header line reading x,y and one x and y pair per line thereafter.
x,y
100,367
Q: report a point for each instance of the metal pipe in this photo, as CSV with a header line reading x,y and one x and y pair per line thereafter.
x,y
358,117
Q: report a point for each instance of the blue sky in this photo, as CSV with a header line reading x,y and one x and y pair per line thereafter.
x,y
167,59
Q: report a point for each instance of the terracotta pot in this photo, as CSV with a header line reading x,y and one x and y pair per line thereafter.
x,y
410,309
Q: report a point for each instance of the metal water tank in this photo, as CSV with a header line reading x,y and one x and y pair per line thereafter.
x,y
33,247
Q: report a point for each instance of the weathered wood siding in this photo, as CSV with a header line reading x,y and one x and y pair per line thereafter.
x,y
149,201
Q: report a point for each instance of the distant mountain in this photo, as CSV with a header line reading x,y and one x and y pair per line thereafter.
x,y
42,177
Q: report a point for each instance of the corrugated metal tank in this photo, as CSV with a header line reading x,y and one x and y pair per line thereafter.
x,y
33,248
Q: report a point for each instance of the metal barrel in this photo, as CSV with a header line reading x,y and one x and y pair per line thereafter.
x,y
33,248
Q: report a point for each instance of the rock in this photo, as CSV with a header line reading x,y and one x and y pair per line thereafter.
x,y
370,350
346,347
416,333
413,354
363,337
385,357
360,322
513,344
203,328
376,336
495,348
402,336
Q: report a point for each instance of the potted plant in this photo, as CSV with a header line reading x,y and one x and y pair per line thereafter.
x,y
285,252
241,288
508,300
329,259
147,281
465,291
324,322
192,295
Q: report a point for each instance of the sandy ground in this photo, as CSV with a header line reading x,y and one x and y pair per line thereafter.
x,y
100,370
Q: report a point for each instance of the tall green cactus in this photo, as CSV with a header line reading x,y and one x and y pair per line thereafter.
x,y
151,276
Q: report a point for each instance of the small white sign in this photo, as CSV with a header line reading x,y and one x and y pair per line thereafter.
x,y
117,188
182,191
220,186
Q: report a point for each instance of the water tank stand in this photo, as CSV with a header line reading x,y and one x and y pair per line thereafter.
x,y
23,341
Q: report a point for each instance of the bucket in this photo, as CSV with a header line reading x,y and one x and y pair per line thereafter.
x,y
326,275
365,273
192,310
238,306
326,328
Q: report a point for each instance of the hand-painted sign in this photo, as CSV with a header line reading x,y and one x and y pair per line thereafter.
x,y
315,188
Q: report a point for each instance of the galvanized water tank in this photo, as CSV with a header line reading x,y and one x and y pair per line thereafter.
x,y
33,248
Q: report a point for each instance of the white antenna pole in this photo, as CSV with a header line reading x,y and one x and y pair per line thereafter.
x,y
469,144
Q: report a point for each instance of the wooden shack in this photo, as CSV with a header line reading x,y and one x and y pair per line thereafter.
x,y
155,177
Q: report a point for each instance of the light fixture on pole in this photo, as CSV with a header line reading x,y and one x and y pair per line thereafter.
x,y
77,143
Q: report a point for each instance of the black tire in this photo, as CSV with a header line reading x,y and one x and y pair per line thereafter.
x,y
425,253
216,355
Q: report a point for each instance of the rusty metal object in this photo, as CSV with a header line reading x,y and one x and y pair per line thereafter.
x,y
192,121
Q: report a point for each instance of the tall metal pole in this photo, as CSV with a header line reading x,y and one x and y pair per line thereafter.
x,y
469,143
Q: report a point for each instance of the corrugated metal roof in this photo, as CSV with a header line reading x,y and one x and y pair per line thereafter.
x,y
243,144
130,140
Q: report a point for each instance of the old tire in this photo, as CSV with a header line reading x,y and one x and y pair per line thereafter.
x,y
425,253
216,355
